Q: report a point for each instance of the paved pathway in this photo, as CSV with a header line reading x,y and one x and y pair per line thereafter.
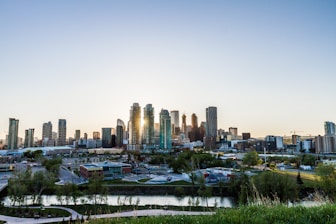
x,y
75,215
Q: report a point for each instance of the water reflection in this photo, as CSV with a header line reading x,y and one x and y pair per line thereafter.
x,y
226,202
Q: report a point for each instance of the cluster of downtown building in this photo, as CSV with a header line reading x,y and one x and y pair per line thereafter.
x,y
166,134
169,134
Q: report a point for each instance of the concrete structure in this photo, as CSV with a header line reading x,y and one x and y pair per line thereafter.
x,y
165,130
61,141
106,170
12,142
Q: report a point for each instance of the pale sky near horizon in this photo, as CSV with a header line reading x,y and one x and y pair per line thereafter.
x,y
268,66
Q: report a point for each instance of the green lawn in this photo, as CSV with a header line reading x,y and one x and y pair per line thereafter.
x,y
26,212
309,180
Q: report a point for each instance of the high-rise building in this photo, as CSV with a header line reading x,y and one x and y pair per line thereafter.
x,y
202,130
234,132
194,121
47,131
296,139
211,122
246,135
134,126
61,132
77,135
184,124
29,138
175,120
148,126
13,131
329,128
96,135
120,134
106,137
194,133
165,130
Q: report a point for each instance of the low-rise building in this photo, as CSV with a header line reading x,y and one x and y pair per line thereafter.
x,y
107,170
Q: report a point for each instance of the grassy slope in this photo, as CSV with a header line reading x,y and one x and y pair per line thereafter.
x,y
248,215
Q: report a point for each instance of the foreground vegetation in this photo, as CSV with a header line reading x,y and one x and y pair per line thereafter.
x,y
28,212
246,214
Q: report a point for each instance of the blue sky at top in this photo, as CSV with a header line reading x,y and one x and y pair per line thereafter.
x,y
268,66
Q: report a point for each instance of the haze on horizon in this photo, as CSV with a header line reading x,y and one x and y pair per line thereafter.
x,y
268,66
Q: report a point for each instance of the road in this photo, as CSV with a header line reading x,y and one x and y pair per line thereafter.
x,y
75,215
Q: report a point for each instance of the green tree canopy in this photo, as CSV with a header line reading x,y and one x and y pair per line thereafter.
x,y
251,159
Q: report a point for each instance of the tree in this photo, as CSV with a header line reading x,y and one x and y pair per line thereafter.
x,y
275,186
204,191
52,165
179,165
327,180
251,159
240,187
40,181
96,189
308,160
17,188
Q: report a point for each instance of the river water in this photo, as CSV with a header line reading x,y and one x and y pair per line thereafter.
x,y
227,202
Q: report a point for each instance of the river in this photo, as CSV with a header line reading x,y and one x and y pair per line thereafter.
x,y
224,202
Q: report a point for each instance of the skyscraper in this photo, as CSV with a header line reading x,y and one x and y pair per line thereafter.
x,y
184,124
47,131
175,120
234,132
211,122
96,135
61,132
329,128
165,130
120,133
13,133
148,127
134,126
194,133
77,135
29,138
106,137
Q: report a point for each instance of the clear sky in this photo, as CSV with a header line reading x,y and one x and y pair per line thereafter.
x,y
268,66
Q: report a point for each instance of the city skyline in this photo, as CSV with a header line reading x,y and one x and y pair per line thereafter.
x,y
268,67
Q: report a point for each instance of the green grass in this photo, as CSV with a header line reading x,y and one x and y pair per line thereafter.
x,y
26,212
250,215
87,209
309,180
144,180
180,182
